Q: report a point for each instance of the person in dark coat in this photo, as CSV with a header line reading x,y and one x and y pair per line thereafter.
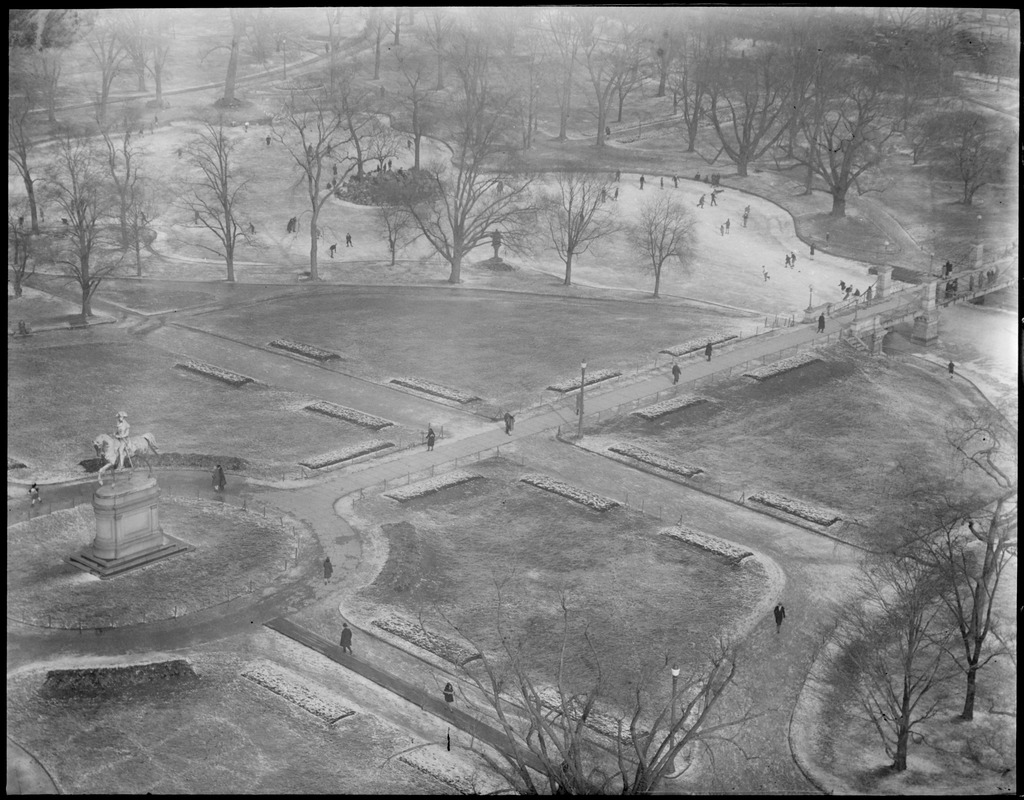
x,y
821,323
449,693
431,436
328,569
510,423
675,373
219,481
812,249
33,492
707,351
780,614
346,638
951,367
642,183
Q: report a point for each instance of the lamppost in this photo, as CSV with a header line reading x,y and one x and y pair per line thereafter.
x,y
672,720
810,301
583,381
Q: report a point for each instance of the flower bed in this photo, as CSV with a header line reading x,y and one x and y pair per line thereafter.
x,y
596,376
589,499
694,345
307,350
211,371
450,771
431,485
597,721
346,454
435,389
647,457
797,508
14,464
668,406
445,648
781,366
348,415
712,544
269,677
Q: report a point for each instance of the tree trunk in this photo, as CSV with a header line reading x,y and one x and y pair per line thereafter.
x,y
30,192
900,762
568,269
86,293
440,73
416,150
741,167
968,713
229,80
809,180
691,138
622,99
314,273
398,25
838,204
158,83
657,282
229,258
376,61
456,274
138,252
142,79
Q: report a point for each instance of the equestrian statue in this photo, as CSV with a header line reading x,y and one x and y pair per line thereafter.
x,y
122,448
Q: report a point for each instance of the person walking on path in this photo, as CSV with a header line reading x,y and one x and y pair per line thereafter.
x,y
616,197
346,638
728,222
821,322
348,240
431,436
765,274
219,481
662,181
812,249
675,181
510,423
618,174
707,351
714,200
449,693
675,374
328,569
951,367
792,260
780,614
33,492
641,183
700,203
721,228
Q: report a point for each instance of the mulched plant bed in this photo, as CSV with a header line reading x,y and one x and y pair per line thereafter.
x,y
704,541
435,390
581,496
431,485
654,460
346,454
781,366
348,415
99,680
595,377
440,646
211,371
668,406
177,461
14,464
693,345
451,772
293,689
797,508
307,350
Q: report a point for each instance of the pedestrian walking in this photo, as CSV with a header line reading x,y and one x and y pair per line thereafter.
x,y
641,183
510,423
842,286
675,181
33,492
867,294
675,374
346,638
812,249
787,261
618,174
745,215
616,195
328,569
714,201
268,141
431,437
700,203
951,367
765,274
721,230
821,322
707,351
219,481
662,181
449,693
333,249
728,222
348,240
604,194
792,260
780,614
252,229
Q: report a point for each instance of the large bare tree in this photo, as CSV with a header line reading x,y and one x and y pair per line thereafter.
x,y
664,231
123,161
436,31
19,146
577,214
106,44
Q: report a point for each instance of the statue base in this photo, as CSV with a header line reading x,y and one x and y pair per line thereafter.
x,y
497,264
128,534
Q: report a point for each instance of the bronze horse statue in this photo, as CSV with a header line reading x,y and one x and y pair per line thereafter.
x,y
106,447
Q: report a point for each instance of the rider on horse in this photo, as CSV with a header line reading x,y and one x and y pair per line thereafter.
x,y
122,433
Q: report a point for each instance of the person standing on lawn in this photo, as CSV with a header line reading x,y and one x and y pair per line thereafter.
x,y
780,614
510,423
219,481
707,351
675,373
821,322
328,569
431,436
346,638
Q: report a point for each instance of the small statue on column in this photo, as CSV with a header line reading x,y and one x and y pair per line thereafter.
x,y
496,243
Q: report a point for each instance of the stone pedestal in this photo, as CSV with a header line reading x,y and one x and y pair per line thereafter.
x,y
926,329
883,281
497,264
128,533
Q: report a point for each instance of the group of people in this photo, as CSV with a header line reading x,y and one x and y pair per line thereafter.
x,y
848,290
714,178
791,260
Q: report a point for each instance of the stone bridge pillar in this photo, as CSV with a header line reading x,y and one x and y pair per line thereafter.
x,y
926,323
882,284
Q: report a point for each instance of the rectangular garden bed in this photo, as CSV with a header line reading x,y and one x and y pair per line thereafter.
x,y
211,371
307,350
596,376
693,345
441,646
348,415
712,544
797,508
431,485
668,406
346,454
581,496
654,460
781,366
434,389
597,721
269,677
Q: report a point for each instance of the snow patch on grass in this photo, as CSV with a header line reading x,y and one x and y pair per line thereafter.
x,y
431,485
581,496
292,687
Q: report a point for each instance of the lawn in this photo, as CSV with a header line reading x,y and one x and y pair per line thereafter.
x,y
837,433
449,552
60,397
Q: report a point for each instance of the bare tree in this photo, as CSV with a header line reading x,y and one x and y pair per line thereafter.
x,y
566,33
690,76
890,650
415,98
78,186
974,150
664,231
123,161
398,224
216,193
577,215
47,67
19,250
381,142
355,103
376,30
19,146
313,133
135,39
608,50
106,43
436,32
748,104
